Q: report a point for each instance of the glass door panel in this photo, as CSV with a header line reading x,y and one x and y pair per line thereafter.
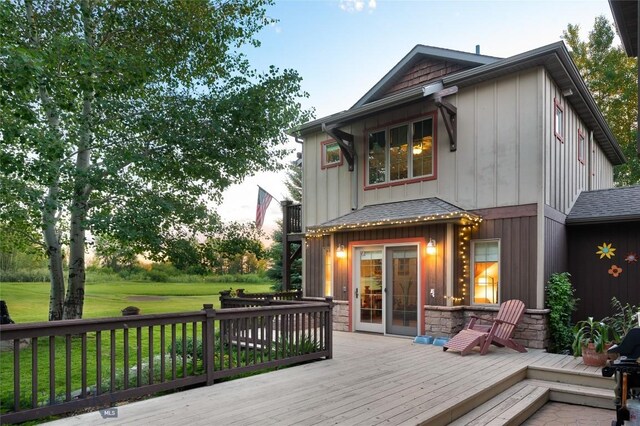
x,y
402,284
369,290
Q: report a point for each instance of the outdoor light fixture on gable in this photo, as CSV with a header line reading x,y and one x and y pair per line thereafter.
x,y
431,246
341,253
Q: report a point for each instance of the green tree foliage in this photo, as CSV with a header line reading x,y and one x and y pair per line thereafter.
x,y
611,77
561,302
124,119
113,254
234,248
293,183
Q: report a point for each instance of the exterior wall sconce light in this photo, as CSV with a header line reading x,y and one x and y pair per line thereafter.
x,y
431,246
341,253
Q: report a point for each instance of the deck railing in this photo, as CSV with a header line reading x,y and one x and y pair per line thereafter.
x,y
293,218
63,366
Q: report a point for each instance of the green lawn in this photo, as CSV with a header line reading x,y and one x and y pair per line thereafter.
x,y
29,302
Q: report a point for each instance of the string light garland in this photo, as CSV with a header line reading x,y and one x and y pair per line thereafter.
x,y
465,217
464,246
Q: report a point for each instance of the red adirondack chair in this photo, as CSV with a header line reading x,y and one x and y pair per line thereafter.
x,y
498,333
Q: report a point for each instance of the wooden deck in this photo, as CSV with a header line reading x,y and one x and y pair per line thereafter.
x,y
371,380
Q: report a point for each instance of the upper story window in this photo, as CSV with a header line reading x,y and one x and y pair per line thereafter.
x,y
401,152
331,154
485,264
558,121
582,146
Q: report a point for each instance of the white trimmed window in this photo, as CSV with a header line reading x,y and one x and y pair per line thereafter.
x,y
485,266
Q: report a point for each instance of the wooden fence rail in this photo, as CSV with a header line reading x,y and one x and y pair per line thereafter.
x,y
63,366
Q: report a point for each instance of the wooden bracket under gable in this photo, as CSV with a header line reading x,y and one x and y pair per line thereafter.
x,y
345,142
449,113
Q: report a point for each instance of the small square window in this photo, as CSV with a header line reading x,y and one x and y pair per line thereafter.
x,y
581,146
558,121
331,154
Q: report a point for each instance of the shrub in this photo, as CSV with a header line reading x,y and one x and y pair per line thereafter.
x,y
39,275
562,302
158,276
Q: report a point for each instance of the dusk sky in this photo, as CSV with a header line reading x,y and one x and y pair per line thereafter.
x,y
341,48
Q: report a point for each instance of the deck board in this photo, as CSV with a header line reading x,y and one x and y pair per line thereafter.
x,y
371,380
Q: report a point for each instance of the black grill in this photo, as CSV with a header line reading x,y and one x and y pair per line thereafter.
x,y
626,370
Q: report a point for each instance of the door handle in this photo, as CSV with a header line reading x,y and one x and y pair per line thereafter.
x,y
356,292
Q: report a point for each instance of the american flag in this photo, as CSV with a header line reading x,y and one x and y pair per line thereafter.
x,y
264,198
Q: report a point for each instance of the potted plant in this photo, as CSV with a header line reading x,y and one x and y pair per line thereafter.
x,y
591,339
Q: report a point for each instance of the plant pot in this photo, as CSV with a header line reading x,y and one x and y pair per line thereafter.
x,y
592,358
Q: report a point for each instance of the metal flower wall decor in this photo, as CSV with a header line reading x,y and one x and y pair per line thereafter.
x,y
605,250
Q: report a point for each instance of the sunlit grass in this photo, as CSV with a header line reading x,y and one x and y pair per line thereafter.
x,y
29,302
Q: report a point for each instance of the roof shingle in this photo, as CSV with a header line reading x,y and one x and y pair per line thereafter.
x,y
422,210
606,205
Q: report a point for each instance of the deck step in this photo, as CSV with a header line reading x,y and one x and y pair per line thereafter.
x,y
578,394
572,377
519,402
511,407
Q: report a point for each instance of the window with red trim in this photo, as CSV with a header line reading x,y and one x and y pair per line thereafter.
x,y
558,121
582,146
331,154
401,152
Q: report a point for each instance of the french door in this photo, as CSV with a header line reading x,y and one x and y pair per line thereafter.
x,y
386,289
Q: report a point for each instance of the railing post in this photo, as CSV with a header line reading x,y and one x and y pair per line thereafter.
x,y
329,327
299,294
208,344
224,294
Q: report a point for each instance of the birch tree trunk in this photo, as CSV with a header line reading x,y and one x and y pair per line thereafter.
x,y
50,203
74,300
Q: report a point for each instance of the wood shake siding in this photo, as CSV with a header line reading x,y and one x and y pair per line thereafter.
x,y
423,72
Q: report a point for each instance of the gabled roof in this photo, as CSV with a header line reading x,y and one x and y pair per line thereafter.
x,y
417,54
397,213
606,205
625,14
554,57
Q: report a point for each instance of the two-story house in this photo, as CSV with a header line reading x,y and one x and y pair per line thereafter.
x,y
443,190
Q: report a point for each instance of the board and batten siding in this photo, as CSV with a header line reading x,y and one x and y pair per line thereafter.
x,y
555,245
518,245
497,163
564,175
590,276
435,264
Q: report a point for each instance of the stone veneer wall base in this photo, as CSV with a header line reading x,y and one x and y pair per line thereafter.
x,y
532,332
340,315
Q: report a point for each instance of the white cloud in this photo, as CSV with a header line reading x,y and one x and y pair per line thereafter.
x,y
357,5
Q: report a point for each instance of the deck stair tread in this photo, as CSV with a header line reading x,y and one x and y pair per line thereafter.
x,y
506,406
520,401
576,377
